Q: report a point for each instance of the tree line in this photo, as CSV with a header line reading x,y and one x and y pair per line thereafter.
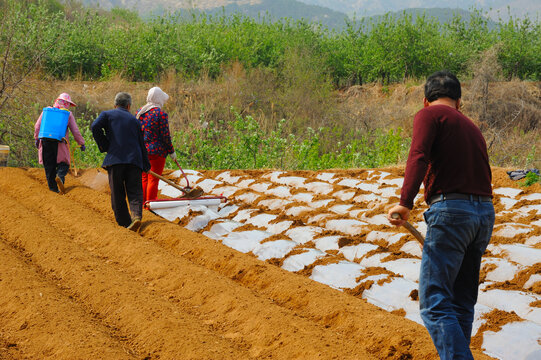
x,y
95,44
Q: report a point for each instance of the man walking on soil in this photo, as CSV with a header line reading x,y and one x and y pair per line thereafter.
x,y
449,155
118,133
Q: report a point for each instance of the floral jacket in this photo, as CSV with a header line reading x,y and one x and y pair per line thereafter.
x,y
156,134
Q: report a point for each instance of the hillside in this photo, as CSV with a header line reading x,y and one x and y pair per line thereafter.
x,y
276,9
287,9
495,8
313,11
443,15
285,79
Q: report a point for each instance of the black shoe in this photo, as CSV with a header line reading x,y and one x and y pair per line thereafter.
x,y
135,225
60,184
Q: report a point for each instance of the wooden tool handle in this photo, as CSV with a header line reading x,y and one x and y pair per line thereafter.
x,y
413,231
183,174
167,181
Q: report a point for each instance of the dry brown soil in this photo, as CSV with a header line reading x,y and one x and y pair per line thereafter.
x,y
74,285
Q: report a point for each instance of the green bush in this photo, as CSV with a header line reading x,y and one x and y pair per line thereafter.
x,y
242,145
530,179
91,157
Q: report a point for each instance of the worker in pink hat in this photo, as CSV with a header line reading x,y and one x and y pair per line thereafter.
x,y
55,154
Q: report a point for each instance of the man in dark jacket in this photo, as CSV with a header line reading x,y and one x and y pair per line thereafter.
x,y
118,133
449,155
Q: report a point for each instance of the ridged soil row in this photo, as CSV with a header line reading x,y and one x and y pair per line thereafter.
x,y
29,303
151,324
381,334
253,322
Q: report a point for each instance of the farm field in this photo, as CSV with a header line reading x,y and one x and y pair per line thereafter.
x,y
295,265
331,226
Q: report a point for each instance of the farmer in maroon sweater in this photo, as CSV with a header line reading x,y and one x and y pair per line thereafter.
x,y
449,156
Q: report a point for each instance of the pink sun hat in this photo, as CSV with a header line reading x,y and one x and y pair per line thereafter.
x,y
66,97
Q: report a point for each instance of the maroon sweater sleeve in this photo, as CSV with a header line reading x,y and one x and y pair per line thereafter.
x,y
424,133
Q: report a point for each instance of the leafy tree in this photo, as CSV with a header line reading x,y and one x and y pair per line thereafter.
x,y
24,43
520,48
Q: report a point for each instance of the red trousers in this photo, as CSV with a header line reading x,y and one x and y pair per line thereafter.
x,y
150,183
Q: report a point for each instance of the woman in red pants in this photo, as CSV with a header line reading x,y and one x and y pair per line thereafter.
x,y
157,139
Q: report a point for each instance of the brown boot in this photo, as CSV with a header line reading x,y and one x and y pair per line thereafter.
x,y
135,225
61,189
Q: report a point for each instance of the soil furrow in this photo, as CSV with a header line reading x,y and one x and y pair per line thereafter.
x,y
217,285
151,324
376,330
220,301
29,303
361,323
383,334
9,349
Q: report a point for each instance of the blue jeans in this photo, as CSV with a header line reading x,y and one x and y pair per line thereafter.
x,y
457,236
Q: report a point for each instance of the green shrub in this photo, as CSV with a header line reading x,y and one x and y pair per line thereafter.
x,y
243,145
530,179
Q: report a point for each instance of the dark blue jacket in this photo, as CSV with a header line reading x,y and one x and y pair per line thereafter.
x,y
118,133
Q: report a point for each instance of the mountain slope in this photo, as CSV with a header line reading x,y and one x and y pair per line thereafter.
x,y
288,8
494,8
274,8
442,15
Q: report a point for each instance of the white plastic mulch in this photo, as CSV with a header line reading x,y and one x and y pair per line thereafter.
x,y
346,214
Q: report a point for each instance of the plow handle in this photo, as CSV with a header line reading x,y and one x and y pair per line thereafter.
x,y
183,174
